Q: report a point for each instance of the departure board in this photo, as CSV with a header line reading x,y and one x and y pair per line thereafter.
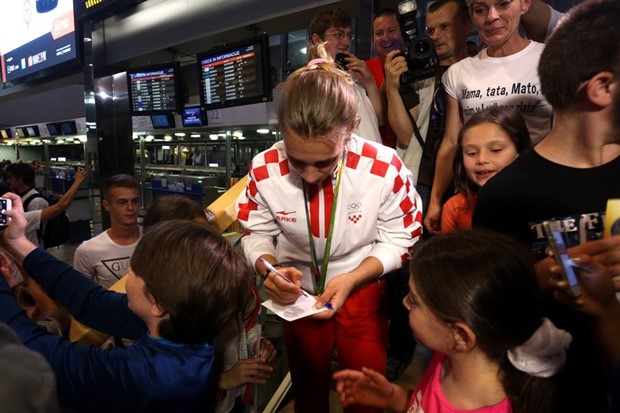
x,y
235,76
153,90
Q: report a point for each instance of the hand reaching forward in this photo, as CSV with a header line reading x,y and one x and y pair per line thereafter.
x,y
366,387
252,370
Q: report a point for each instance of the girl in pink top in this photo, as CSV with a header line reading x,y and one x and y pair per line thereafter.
x,y
474,300
488,142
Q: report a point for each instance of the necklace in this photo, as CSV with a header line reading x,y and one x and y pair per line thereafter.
x,y
320,271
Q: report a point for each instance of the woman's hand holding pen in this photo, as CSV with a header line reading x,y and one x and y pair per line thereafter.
x,y
281,291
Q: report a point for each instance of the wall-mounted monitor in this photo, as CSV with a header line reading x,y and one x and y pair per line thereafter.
x,y
53,129
39,38
68,127
235,75
5,133
193,116
32,131
155,89
20,133
163,121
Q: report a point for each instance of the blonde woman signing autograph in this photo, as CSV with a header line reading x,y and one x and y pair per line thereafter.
x,y
343,211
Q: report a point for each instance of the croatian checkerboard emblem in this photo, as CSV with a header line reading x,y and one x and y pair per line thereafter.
x,y
354,212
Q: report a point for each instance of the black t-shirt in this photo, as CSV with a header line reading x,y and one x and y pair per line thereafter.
x,y
532,189
516,202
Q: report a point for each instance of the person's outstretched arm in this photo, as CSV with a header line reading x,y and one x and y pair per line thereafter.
x,y
398,118
65,201
443,166
369,388
14,236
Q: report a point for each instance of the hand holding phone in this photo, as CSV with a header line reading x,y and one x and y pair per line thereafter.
x,y
341,61
558,247
5,205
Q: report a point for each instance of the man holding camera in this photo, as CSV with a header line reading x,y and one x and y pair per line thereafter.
x,y
386,37
417,116
332,28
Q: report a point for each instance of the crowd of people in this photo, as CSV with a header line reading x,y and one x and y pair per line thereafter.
x,y
516,113
426,196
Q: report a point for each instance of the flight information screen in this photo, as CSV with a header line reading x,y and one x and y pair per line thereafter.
x,y
235,76
153,90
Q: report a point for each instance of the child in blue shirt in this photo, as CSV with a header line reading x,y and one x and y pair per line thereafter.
x,y
176,303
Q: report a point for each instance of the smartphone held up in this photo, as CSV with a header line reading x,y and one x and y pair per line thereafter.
x,y
5,205
341,61
558,247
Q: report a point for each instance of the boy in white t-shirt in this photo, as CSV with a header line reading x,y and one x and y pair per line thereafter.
x,y
105,257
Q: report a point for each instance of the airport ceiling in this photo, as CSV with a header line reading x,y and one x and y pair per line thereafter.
x,y
125,47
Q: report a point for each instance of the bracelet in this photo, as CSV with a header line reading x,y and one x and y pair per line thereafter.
x,y
267,271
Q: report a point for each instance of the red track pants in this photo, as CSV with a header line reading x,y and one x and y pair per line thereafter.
x,y
359,333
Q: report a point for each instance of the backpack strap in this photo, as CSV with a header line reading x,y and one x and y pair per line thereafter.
x,y
27,201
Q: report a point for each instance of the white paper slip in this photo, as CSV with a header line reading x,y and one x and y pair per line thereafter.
x,y
303,307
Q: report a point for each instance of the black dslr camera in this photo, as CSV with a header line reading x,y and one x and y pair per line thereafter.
x,y
422,60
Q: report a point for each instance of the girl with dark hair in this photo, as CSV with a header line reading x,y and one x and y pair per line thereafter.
x,y
493,350
487,143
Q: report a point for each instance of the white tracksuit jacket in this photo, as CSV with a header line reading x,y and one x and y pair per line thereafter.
x,y
378,211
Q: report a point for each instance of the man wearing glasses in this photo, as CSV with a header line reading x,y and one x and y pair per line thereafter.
x,y
332,28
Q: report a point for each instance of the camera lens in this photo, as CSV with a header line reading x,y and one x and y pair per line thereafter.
x,y
422,47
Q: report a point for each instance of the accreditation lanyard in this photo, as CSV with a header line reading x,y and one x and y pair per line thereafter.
x,y
320,273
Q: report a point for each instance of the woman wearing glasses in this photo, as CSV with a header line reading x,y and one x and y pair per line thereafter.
x,y
343,211
332,28
502,74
